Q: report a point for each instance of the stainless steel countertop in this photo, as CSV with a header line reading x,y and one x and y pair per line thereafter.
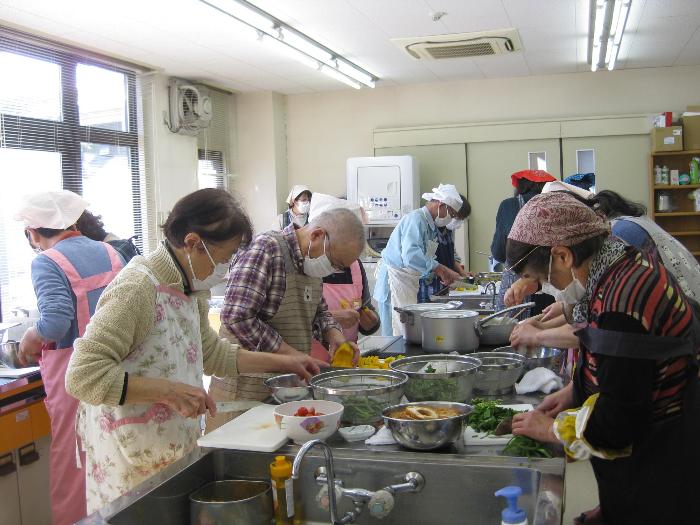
x,y
475,454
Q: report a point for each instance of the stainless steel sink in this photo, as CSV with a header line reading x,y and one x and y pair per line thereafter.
x,y
458,488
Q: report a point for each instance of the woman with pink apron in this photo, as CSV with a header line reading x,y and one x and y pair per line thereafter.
x,y
67,480
346,297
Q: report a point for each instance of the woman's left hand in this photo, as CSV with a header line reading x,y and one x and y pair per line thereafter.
x,y
337,339
534,424
368,319
524,334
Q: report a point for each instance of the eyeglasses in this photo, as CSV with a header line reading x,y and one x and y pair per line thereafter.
x,y
510,269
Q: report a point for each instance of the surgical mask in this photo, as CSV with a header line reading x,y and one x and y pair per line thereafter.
x,y
212,280
441,222
573,292
320,266
454,224
304,206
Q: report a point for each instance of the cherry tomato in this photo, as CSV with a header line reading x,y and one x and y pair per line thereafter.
x,y
312,411
303,411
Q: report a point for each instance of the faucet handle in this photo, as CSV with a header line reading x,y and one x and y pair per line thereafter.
x,y
381,504
323,499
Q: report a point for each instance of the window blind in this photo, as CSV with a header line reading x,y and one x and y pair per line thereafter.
x,y
213,144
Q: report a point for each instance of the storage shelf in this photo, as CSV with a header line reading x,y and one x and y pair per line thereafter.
x,y
677,187
678,214
684,234
675,153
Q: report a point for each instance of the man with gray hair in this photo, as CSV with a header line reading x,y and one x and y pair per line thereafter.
x,y
273,298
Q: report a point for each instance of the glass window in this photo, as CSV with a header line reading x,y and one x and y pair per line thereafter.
x,y
32,88
210,169
107,186
21,171
102,97
537,160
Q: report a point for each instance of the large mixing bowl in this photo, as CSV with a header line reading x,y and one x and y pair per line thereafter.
x,y
498,373
288,387
452,380
427,434
363,392
537,356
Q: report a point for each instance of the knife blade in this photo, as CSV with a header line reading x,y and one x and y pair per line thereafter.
x,y
236,406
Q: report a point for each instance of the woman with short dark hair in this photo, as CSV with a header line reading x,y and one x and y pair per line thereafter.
x,y
138,368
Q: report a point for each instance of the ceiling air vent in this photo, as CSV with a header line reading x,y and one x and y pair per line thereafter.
x,y
462,45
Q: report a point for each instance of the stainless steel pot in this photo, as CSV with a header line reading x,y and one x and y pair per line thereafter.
x,y
9,354
456,330
232,501
411,318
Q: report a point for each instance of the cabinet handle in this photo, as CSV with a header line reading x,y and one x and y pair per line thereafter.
x,y
28,454
7,465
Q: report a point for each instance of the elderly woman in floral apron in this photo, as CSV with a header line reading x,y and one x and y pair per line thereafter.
x,y
138,368
633,408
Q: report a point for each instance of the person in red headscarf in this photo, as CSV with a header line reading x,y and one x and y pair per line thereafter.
x,y
527,184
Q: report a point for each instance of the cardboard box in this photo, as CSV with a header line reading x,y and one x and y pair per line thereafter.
x,y
693,109
691,133
667,139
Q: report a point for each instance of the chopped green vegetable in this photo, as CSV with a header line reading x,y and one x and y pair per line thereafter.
x,y
487,415
361,410
429,369
433,390
525,447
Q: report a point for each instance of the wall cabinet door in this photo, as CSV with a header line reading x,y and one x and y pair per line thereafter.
x,y
489,166
621,163
438,163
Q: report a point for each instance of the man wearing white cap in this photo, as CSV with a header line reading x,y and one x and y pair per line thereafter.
x,y
68,276
410,254
299,202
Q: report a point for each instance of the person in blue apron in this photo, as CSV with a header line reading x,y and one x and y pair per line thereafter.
x,y
445,255
527,184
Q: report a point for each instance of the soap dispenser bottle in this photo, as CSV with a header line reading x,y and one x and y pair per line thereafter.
x,y
282,490
512,515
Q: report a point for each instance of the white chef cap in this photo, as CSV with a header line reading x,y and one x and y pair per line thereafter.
x,y
295,192
558,185
322,203
57,210
446,193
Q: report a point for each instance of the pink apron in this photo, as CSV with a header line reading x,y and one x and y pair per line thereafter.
x,y
341,297
67,480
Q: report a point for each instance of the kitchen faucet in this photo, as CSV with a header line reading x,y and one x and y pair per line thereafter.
x,y
379,503
493,297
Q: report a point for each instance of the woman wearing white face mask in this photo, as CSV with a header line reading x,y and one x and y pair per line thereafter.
x,y
632,407
299,202
138,368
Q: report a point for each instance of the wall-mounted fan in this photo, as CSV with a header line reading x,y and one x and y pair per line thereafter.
x,y
190,107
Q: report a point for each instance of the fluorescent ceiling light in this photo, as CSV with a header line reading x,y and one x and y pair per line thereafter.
x,y
617,22
334,73
291,52
601,9
278,35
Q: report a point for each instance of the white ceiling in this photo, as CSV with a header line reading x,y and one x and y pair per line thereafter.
x,y
190,39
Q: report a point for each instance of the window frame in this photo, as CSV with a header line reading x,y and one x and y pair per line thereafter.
x,y
65,136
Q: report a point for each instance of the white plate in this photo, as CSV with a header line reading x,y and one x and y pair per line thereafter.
x,y
472,437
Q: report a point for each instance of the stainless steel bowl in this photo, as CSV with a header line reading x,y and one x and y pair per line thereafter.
x,y
537,356
497,332
453,383
364,393
9,354
288,387
232,501
498,373
427,434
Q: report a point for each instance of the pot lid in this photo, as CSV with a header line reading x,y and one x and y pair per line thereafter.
x,y
427,307
451,314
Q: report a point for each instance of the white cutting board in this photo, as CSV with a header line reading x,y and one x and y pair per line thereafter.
x,y
472,437
253,430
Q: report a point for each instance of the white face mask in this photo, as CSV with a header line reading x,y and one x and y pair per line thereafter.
x,y
213,279
320,266
441,222
454,224
573,292
303,206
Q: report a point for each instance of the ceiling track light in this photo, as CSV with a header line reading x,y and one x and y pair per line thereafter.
x,y
277,35
608,19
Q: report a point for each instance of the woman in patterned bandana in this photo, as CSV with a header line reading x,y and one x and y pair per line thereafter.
x,y
632,406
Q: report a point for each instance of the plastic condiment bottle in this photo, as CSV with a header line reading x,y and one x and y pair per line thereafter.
x,y
343,356
512,515
282,490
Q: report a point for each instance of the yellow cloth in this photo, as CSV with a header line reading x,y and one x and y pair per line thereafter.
x,y
569,427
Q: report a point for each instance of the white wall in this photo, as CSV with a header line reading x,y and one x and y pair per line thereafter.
x,y
324,129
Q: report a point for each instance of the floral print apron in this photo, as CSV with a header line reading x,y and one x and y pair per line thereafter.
x,y
125,445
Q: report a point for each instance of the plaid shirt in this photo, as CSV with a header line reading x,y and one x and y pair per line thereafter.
x,y
256,286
